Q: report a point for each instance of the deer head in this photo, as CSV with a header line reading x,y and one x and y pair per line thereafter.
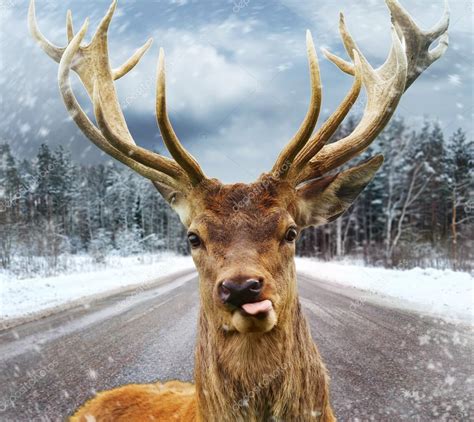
x,y
243,236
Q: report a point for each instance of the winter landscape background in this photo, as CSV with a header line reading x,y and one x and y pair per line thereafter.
x,y
238,88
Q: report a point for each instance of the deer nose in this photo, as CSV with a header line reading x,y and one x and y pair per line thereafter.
x,y
237,293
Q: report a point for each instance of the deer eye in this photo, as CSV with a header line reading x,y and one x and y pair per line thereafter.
x,y
291,234
194,240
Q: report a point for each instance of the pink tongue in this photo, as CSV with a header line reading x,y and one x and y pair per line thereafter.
x,y
257,307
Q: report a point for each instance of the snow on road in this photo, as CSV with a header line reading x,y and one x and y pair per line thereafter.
x,y
443,293
23,297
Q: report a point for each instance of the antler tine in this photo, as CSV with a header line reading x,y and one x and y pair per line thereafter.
x,y
440,49
102,31
384,88
49,48
69,26
417,41
83,121
301,137
349,45
317,142
104,24
442,26
118,72
177,151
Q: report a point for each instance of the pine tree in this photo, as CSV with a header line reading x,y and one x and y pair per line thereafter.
x,y
461,186
40,183
10,196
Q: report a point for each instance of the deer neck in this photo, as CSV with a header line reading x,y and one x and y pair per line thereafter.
x,y
257,376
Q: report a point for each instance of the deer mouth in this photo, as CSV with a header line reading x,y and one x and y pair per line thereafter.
x,y
255,317
257,309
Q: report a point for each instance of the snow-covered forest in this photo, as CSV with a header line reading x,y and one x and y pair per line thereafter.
x,y
417,211
52,208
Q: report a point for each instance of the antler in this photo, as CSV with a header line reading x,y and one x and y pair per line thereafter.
x,y
298,141
91,63
384,87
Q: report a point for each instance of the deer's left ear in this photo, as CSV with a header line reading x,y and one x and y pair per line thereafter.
x,y
177,200
322,200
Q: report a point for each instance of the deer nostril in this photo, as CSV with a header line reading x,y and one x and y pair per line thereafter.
x,y
224,292
254,286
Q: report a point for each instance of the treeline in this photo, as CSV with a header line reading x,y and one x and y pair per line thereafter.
x,y
50,206
417,211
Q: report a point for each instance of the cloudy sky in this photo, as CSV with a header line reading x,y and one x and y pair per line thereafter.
x,y
237,76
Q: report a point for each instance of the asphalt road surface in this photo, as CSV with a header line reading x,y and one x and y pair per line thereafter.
x,y
385,364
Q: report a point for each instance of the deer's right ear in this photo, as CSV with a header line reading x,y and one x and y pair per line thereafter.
x,y
321,201
177,200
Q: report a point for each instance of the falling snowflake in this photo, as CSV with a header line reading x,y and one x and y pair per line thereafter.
x,y
284,66
43,132
25,128
424,339
454,79
92,374
28,100
449,380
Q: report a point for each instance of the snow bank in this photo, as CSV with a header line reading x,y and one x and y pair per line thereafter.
x,y
444,293
20,298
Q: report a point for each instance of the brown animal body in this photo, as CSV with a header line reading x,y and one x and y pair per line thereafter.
x,y
255,358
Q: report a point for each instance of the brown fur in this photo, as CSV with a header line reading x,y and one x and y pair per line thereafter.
x,y
246,368
173,401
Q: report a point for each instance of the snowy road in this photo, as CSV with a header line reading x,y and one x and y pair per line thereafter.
x,y
385,364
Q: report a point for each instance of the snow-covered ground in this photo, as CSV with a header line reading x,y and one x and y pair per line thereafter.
x,y
29,297
442,293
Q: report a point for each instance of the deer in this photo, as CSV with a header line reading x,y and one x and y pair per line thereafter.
x,y
255,359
